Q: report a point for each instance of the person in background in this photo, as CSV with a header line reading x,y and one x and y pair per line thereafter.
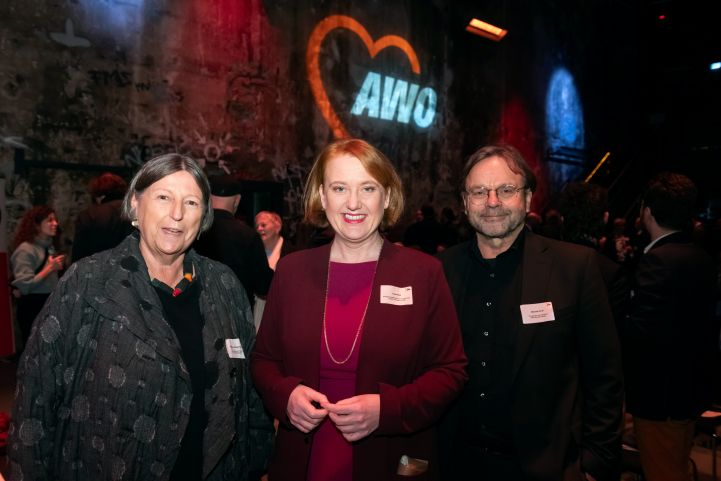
x,y
359,351
138,367
670,337
544,396
534,221
100,226
425,234
552,224
35,264
449,226
618,245
584,209
233,242
269,225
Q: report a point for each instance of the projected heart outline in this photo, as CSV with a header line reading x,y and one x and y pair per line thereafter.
x,y
315,43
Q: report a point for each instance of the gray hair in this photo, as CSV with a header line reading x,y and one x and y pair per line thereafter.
x,y
162,166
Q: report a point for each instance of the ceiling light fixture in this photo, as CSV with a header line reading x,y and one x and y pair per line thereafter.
x,y
479,27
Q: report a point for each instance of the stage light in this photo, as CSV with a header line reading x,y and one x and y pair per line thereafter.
x,y
715,66
479,27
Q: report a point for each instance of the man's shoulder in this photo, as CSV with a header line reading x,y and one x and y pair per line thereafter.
x,y
678,254
458,251
568,250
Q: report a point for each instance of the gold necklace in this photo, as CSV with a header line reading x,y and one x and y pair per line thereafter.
x,y
360,325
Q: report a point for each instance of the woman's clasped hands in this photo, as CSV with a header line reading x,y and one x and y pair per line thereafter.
x,y
355,417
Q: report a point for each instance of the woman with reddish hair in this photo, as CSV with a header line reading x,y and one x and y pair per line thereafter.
x,y
359,352
34,264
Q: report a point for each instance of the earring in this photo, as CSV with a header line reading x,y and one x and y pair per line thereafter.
x,y
134,223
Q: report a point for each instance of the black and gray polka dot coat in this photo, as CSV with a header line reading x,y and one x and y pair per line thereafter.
x,y
103,392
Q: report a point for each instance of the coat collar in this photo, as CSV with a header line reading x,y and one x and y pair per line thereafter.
x,y
670,238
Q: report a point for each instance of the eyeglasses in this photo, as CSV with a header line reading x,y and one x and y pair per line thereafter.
x,y
480,195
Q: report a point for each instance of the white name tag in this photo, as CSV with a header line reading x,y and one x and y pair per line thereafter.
x,y
235,350
398,296
535,313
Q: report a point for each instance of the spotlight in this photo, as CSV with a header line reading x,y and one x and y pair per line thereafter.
x,y
486,30
715,66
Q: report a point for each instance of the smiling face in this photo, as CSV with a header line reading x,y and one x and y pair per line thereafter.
x,y
493,218
169,213
353,200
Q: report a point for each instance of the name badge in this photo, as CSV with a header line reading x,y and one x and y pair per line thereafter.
x,y
398,296
235,350
535,313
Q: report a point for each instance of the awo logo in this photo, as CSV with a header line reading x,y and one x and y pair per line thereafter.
x,y
380,97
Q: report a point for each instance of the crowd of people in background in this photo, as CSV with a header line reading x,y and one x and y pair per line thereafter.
x,y
494,342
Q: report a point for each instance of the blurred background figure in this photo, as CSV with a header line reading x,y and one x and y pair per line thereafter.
x,y
584,210
449,226
552,224
670,337
233,242
269,225
425,234
100,226
35,264
534,221
617,244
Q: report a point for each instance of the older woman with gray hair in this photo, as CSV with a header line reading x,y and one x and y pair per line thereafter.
x,y
137,367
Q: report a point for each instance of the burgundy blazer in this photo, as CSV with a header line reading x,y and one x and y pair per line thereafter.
x,y
412,355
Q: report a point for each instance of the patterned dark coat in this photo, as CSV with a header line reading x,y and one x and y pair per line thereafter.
x,y
103,392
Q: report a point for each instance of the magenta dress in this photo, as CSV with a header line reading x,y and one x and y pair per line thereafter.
x,y
349,288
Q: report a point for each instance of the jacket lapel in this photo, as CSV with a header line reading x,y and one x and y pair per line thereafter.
x,y
221,316
309,328
536,271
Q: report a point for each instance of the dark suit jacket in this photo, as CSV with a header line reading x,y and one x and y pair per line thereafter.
x,y
567,383
411,355
238,246
671,336
98,228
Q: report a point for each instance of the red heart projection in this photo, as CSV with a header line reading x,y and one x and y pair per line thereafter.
x,y
312,54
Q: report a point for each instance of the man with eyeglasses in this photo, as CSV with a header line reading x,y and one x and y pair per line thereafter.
x,y
545,391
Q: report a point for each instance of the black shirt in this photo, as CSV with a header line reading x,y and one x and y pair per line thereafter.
x,y
183,315
494,293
